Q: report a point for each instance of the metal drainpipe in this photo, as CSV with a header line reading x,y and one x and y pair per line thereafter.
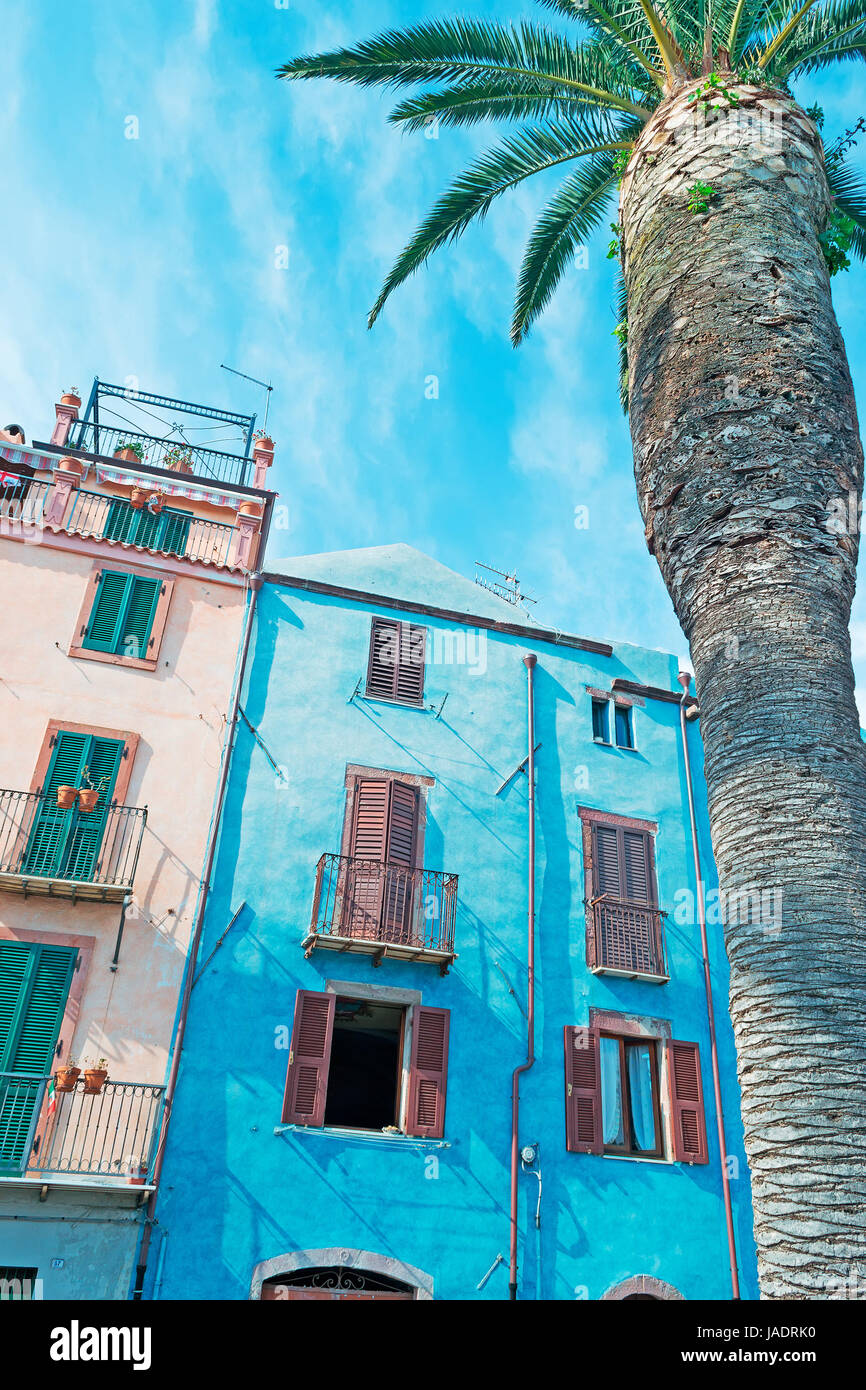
x,y
255,585
529,662
685,681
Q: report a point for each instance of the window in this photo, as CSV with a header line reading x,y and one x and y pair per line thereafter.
x,y
385,815
346,1065
612,1094
623,864
395,668
166,530
34,985
600,721
65,842
623,722
17,1283
122,615
630,1096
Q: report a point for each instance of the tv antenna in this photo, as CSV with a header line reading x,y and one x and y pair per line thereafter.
x,y
265,385
507,586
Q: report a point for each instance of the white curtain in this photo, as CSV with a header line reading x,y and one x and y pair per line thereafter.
x,y
640,1085
611,1093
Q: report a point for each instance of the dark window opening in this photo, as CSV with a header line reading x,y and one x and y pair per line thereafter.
x,y
624,732
640,1298
17,1283
366,1065
336,1281
630,1096
600,721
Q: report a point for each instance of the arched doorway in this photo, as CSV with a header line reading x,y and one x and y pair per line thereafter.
x,y
642,1288
338,1274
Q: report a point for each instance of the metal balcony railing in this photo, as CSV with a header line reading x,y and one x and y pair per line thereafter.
x,y
22,502
170,532
45,1131
68,853
625,938
384,909
212,464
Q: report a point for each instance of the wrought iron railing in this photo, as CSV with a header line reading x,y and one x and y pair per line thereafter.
x,y
41,841
364,900
22,502
625,936
168,531
161,453
108,1133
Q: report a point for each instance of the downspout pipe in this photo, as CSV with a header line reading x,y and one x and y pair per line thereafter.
x,y
685,681
529,662
256,581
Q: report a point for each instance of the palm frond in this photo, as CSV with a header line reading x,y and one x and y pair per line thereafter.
x,y
574,211
836,31
473,192
491,101
622,318
619,21
848,188
462,50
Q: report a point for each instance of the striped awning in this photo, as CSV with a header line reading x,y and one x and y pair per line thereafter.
x,y
193,490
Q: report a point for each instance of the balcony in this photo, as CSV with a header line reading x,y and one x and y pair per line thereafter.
x,y
98,516
202,462
68,854
107,1135
383,910
626,938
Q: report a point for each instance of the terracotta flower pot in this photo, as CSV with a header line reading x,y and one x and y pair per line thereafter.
x,y
71,465
250,509
137,498
93,1080
67,797
88,798
183,465
69,398
137,1173
128,455
265,443
65,1078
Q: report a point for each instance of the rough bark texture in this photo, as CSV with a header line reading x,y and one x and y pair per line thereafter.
x,y
745,431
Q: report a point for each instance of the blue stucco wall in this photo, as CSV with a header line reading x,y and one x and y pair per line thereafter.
x,y
233,1192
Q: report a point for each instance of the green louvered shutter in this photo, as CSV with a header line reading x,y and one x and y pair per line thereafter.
x,y
176,526
147,530
34,986
52,825
137,620
122,614
110,601
85,836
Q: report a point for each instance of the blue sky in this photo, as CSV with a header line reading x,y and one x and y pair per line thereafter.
x,y
158,258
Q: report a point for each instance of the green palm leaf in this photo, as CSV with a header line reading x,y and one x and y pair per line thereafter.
x,y
472,194
849,195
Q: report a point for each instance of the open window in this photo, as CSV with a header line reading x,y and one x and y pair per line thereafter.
x,y
347,1065
613,1095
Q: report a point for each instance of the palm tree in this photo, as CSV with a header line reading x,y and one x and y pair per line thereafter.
x,y
732,218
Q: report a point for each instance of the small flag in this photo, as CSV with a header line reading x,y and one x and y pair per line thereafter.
x,y
50,1111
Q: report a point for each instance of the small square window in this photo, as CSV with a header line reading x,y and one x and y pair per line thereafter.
x,y
624,730
600,723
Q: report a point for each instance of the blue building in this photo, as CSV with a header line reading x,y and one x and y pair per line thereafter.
x,y
342,1125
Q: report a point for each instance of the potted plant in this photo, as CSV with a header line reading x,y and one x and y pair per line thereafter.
x,y
155,503
250,509
66,797
94,1077
130,450
66,1077
89,794
263,441
136,1171
71,397
137,498
178,460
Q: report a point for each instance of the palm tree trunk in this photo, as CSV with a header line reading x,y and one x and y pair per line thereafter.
x,y
745,435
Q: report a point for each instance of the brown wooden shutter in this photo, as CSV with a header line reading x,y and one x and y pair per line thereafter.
x,y
637,869
428,1072
606,860
395,667
583,1131
687,1102
309,1059
370,818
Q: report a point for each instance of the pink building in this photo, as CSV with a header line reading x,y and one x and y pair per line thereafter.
x,y
126,554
